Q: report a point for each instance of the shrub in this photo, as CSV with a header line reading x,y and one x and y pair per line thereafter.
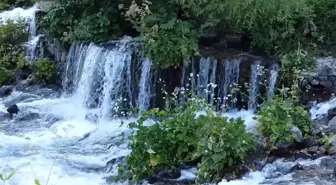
x,y
45,69
6,4
12,37
91,20
178,137
168,43
223,143
277,118
6,77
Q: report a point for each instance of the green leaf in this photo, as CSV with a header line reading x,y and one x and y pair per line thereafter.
x,y
9,176
37,182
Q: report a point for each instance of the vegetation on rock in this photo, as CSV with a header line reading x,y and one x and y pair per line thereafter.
x,y
170,30
44,69
177,137
278,116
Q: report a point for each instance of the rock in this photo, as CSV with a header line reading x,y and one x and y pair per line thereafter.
x,y
313,150
29,116
170,174
326,83
332,123
302,155
6,90
297,132
331,113
332,149
13,109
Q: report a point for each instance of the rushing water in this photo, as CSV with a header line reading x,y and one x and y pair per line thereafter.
x,y
273,80
145,87
72,136
256,69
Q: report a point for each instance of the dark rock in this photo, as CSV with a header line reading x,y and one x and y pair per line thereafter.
x,y
327,83
85,136
331,113
332,123
295,168
312,150
332,78
302,155
30,116
170,174
329,163
6,90
13,109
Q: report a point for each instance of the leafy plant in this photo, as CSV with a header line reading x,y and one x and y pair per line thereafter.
x,y
45,69
223,143
168,41
6,4
277,118
177,137
6,178
6,77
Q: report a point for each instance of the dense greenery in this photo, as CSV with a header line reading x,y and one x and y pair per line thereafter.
x,y
12,39
7,4
278,116
170,30
177,137
45,69
85,20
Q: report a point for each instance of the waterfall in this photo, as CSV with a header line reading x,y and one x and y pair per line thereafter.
x,y
231,77
256,70
213,84
272,80
145,86
203,78
97,77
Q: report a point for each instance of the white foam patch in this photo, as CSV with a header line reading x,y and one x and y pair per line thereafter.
x,y
322,108
18,14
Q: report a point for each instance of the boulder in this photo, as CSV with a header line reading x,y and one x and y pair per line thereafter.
x,y
331,113
13,109
6,90
297,132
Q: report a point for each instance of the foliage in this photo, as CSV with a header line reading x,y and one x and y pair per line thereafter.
x,y
168,42
178,137
12,37
88,20
6,4
6,178
277,118
45,69
6,77
170,30
223,143
326,141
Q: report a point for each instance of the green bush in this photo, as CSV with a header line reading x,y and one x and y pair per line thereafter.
x,y
90,20
7,4
12,37
178,137
169,42
6,77
45,69
277,118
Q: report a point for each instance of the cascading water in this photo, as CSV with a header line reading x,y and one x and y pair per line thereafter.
x,y
256,70
272,80
231,77
203,78
145,86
